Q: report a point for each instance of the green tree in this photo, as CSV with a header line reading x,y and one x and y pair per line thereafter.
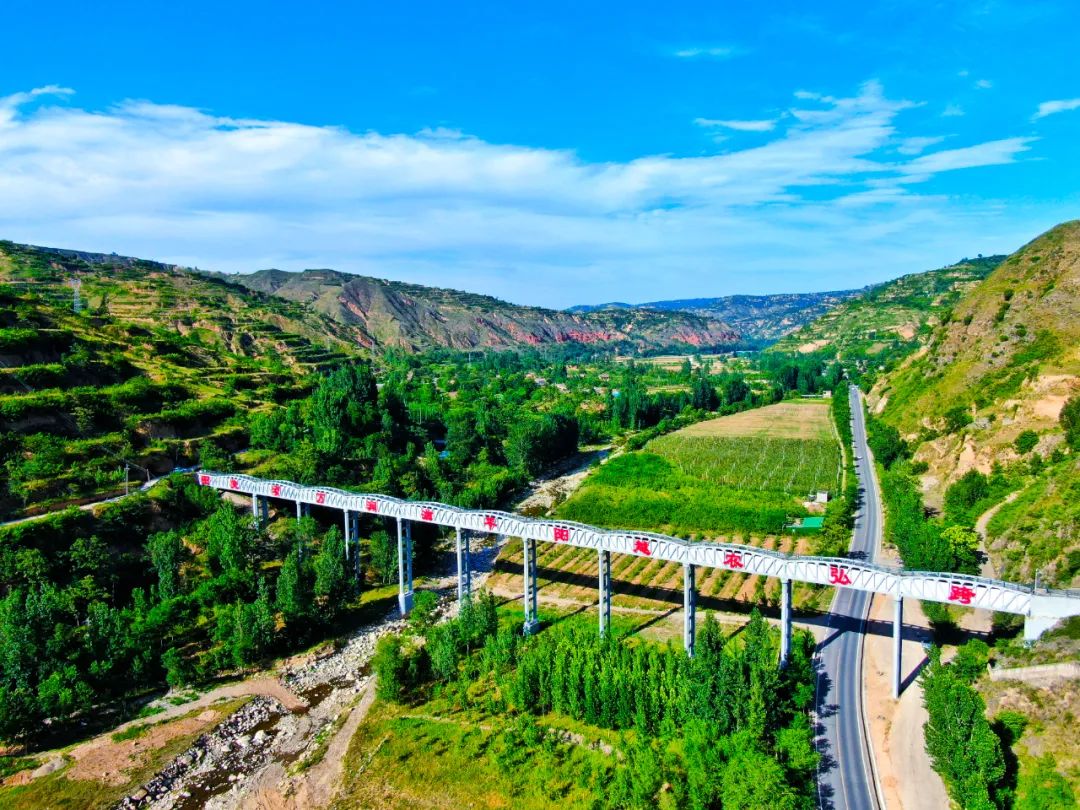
x,y
384,557
167,552
293,589
1070,421
964,545
331,575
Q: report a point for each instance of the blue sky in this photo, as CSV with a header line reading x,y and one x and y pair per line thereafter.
x,y
549,153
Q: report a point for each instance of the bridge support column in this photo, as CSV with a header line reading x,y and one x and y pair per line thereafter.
x,y
348,532
605,590
785,621
354,532
464,565
531,620
404,551
897,643
261,510
689,608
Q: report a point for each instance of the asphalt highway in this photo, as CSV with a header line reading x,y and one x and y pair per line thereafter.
x,y
845,780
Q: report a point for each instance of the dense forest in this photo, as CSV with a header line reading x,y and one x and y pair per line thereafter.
x,y
726,728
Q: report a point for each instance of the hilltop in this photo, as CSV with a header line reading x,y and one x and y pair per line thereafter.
x,y
891,319
756,317
394,314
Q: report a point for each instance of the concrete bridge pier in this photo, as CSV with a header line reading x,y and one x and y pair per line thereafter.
x,y
605,590
689,608
464,565
785,621
348,532
531,621
260,508
404,551
897,642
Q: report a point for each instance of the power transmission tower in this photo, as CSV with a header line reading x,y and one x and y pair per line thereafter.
x,y
76,300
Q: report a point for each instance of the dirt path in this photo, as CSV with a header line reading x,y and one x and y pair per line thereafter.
x,y
986,569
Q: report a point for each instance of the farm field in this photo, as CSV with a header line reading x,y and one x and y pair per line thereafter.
x,y
794,419
738,478
745,473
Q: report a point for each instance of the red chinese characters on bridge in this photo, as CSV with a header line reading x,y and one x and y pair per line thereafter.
x,y
733,559
961,593
234,484
275,490
562,534
427,514
489,521
320,497
204,480
371,505
641,546
838,575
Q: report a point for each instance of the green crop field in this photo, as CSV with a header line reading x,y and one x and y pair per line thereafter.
x,y
740,474
753,463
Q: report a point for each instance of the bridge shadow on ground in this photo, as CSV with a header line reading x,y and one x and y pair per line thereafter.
x,y
835,624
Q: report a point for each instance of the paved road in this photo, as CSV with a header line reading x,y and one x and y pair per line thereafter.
x,y
846,781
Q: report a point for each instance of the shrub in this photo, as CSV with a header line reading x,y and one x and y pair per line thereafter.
x,y
1026,442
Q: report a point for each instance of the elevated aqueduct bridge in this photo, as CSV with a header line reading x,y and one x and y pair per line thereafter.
x,y
1040,609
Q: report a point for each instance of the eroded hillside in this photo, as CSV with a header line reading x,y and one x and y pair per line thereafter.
x,y
412,317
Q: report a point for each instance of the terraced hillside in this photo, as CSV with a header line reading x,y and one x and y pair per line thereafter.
x,y
154,365
412,317
890,320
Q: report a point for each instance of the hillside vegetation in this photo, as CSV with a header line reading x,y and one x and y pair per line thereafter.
x,y
985,400
886,322
156,364
756,317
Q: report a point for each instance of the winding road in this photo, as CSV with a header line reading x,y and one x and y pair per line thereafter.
x,y
845,780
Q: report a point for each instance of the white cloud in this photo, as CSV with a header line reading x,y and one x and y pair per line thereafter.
x,y
763,125
952,111
913,146
1054,107
812,206
991,153
984,84
712,52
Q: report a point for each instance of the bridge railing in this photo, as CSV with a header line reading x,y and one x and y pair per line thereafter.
x,y
946,587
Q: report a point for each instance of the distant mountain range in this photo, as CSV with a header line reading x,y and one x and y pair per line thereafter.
x,y
414,317
755,317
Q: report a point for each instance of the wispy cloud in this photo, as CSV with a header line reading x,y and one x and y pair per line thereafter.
x,y
814,204
991,153
762,125
913,146
983,84
708,52
952,111
1054,107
